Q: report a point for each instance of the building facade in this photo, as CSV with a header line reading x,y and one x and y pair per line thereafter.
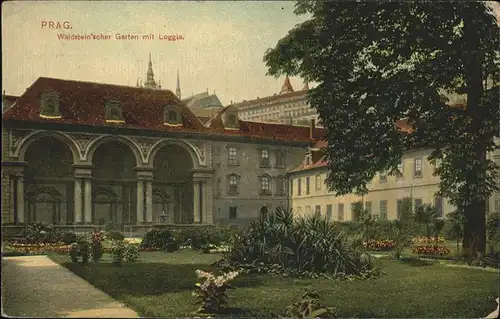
x,y
309,193
287,107
80,153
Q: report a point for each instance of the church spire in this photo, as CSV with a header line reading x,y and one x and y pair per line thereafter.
x,y
287,86
178,89
150,77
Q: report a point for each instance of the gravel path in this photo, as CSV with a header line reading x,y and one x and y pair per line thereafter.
x,y
35,286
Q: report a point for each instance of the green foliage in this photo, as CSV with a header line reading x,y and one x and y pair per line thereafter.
x,y
310,306
80,251
211,293
115,235
38,232
68,237
300,247
381,61
493,226
118,251
96,245
161,239
425,215
131,253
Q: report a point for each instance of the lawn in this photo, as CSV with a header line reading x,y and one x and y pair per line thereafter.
x,y
160,285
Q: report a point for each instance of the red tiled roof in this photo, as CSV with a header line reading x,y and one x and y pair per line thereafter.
x,y
83,103
8,100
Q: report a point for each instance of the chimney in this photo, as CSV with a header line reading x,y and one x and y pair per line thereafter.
x,y
311,129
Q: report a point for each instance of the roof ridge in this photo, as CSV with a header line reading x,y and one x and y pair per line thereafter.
x,y
107,84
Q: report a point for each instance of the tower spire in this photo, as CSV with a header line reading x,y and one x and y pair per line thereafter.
x,y
287,86
150,77
178,89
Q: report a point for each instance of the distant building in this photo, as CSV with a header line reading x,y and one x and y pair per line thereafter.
x,y
287,107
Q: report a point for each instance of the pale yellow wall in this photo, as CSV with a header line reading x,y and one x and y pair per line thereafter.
x,y
394,189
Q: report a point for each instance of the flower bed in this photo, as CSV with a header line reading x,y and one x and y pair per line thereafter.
x,y
427,241
379,245
40,248
431,250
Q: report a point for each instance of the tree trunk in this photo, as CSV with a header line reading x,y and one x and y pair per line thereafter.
x,y
474,239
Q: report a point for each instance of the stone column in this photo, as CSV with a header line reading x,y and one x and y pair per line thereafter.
x,y
20,199
196,202
140,201
78,202
149,201
209,202
88,201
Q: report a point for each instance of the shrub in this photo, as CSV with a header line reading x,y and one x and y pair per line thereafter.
x,y
115,235
303,247
212,292
39,232
493,226
131,253
310,306
68,237
157,239
80,250
379,245
96,245
118,250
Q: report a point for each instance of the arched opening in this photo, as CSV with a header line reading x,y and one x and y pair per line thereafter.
x,y
173,179
48,182
114,185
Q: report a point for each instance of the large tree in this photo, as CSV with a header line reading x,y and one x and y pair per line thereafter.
x,y
378,62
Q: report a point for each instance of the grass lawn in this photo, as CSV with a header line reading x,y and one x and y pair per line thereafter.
x,y
160,285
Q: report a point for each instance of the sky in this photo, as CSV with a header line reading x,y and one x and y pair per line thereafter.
x,y
222,50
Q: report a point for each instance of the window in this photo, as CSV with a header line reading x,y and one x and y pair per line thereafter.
x,y
368,206
329,212
291,187
233,212
307,185
232,156
341,212
50,105
113,112
233,184
318,182
231,120
417,167
172,115
438,203
354,213
280,159
383,177
399,208
264,185
418,203
264,158
400,170
317,211
383,210
308,210
299,186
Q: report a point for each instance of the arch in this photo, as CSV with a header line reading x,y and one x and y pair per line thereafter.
x,y
25,143
196,157
113,138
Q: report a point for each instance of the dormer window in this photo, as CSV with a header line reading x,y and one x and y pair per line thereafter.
x,y
172,115
230,118
114,113
309,159
50,105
